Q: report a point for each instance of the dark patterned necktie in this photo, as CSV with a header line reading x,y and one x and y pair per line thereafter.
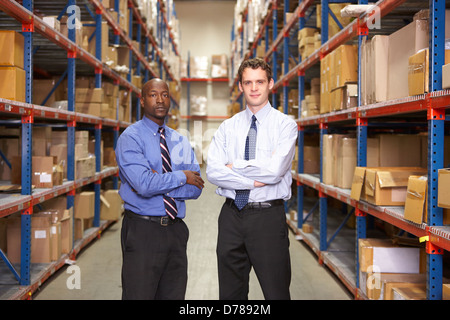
x,y
250,147
169,202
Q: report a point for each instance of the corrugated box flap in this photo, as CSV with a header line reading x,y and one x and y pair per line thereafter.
x,y
398,177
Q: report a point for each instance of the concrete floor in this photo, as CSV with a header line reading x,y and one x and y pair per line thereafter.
x,y
100,264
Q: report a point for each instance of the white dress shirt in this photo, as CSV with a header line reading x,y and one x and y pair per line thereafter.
x,y
275,148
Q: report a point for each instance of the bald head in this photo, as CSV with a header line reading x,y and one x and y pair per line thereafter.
x,y
155,82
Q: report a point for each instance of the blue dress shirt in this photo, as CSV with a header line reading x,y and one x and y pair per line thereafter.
x,y
138,156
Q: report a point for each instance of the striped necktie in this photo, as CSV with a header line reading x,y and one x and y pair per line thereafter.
x,y
169,202
250,147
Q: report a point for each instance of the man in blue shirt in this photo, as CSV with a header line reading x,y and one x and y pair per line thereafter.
x,y
158,172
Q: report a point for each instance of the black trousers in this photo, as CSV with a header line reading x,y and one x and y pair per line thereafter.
x,y
154,259
255,238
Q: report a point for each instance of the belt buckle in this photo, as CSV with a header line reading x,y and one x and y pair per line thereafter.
x,y
164,221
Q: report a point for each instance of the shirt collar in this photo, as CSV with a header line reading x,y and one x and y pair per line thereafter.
x,y
261,114
153,126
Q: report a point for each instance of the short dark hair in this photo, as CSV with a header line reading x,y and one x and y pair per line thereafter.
x,y
255,63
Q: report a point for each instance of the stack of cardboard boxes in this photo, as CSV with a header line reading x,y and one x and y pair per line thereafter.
x,y
384,266
51,233
54,228
308,41
12,74
338,78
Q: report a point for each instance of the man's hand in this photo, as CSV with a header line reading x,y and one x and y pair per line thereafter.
x,y
193,177
258,184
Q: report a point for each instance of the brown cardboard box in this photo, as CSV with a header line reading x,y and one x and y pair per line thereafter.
x,y
307,228
88,95
400,150
311,159
345,162
382,256
403,44
387,186
93,109
55,231
418,71
67,231
44,174
374,69
345,66
446,76
111,205
85,167
327,159
324,84
84,205
416,199
411,291
41,249
444,188
378,286
445,291
12,44
12,83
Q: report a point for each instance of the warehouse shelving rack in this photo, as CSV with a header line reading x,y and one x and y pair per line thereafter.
x,y
430,107
24,18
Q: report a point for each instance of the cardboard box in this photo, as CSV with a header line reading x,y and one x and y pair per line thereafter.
x,y
413,291
403,44
67,231
382,256
88,95
85,167
374,69
390,178
416,199
12,83
41,249
345,162
446,76
311,159
111,205
55,231
327,159
45,173
444,188
418,68
84,205
12,53
400,150
387,186
345,66
445,291
324,84
378,286
93,109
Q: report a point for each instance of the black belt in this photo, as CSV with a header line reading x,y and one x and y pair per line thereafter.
x,y
162,220
256,205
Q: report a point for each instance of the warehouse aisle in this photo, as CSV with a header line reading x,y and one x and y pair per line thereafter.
x,y
100,264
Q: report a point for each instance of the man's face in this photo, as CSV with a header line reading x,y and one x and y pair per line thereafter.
x,y
156,101
256,87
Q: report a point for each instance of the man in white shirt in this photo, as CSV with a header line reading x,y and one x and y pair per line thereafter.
x,y
250,159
